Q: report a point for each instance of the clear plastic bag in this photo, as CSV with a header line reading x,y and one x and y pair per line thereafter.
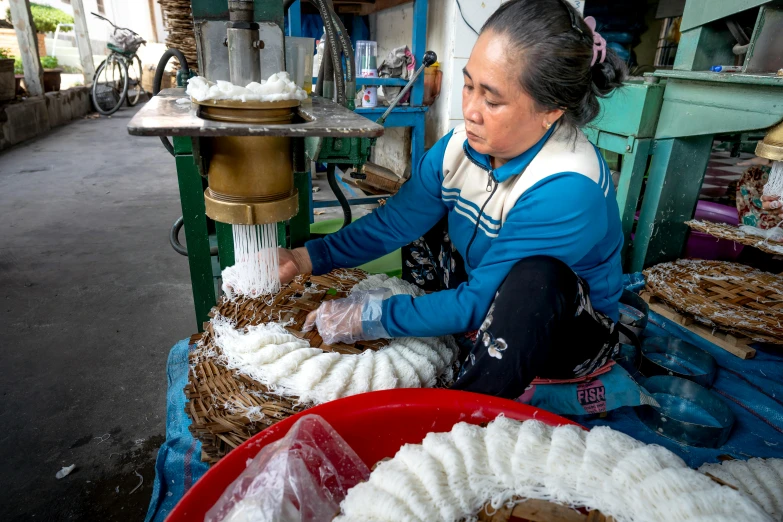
x,y
300,478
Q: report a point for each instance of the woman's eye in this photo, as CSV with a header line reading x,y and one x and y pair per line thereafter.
x,y
469,87
490,104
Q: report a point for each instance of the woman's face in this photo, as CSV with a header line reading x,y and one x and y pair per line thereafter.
x,y
501,120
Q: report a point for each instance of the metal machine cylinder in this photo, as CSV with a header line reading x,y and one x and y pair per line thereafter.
x,y
244,58
251,180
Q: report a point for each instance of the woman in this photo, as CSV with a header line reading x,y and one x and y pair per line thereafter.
x,y
530,209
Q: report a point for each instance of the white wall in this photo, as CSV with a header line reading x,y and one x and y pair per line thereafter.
x,y
393,28
452,41
464,39
440,38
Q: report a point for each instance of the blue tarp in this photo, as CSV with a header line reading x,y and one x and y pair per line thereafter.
x,y
178,465
752,388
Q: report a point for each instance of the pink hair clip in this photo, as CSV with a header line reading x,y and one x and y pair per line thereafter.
x,y
599,44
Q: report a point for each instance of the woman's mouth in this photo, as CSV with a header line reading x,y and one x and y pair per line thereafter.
x,y
472,136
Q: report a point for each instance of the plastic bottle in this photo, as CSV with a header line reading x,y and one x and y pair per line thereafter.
x,y
319,54
366,67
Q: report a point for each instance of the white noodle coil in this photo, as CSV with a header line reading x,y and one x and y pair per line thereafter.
x,y
461,470
271,355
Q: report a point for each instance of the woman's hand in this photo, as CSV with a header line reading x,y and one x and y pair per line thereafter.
x,y
338,321
351,319
292,263
772,204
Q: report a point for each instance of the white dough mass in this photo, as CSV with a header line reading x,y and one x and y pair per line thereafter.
x,y
277,88
451,476
290,367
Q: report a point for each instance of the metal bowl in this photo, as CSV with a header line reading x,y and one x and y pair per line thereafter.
x,y
686,412
677,358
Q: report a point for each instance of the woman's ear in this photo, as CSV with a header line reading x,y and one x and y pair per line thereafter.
x,y
550,117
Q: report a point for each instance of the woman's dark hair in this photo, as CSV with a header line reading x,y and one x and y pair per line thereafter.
x,y
555,47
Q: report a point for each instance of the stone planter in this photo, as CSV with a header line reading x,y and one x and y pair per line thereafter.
x,y
51,79
7,81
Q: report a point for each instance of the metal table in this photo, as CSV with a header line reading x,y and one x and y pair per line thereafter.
x,y
163,116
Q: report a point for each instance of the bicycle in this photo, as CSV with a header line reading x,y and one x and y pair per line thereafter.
x,y
118,78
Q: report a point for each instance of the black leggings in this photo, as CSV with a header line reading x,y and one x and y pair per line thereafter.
x,y
541,324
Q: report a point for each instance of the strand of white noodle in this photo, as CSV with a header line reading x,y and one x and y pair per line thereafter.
x,y
256,262
774,185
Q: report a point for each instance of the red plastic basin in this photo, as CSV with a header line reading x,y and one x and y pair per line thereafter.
x,y
374,424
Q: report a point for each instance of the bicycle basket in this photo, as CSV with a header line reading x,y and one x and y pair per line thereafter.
x,y
126,40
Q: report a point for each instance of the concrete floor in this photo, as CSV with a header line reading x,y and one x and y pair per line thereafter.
x,y
93,297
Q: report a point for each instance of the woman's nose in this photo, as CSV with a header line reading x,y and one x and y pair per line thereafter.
x,y
471,112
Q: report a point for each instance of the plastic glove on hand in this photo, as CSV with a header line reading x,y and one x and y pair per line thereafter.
x,y
354,318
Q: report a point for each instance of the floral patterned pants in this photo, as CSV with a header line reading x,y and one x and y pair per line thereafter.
x,y
541,323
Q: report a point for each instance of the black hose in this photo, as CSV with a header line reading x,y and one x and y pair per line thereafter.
x,y
330,177
342,34
158,79
335,50
178,247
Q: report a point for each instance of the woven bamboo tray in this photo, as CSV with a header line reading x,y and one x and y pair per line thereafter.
x,y
540,511
729,296
178,19
226,408
723,231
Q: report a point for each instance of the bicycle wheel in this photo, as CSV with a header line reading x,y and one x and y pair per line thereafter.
x,y
135,90
110,86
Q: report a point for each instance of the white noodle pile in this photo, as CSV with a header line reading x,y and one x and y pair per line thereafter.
x,y
774,185
451,476
277,88
395,284
289,366
770,234
762,479
256,263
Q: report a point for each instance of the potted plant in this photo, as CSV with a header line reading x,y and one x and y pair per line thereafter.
x,y
51,73
7,82
19,75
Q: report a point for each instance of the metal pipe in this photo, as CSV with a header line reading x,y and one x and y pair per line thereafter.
x,y
330,177
740,49
244,59
429,58
328,67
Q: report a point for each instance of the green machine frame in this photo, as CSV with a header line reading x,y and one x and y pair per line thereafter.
x,y
674,115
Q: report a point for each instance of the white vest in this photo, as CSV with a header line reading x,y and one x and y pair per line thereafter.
x,y
463,179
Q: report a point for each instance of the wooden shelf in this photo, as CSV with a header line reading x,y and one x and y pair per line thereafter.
x,y
366,7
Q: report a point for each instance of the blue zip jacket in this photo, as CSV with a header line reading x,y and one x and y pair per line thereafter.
x,y
555,199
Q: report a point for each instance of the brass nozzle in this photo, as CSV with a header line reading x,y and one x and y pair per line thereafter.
x,y
771,147
251,178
